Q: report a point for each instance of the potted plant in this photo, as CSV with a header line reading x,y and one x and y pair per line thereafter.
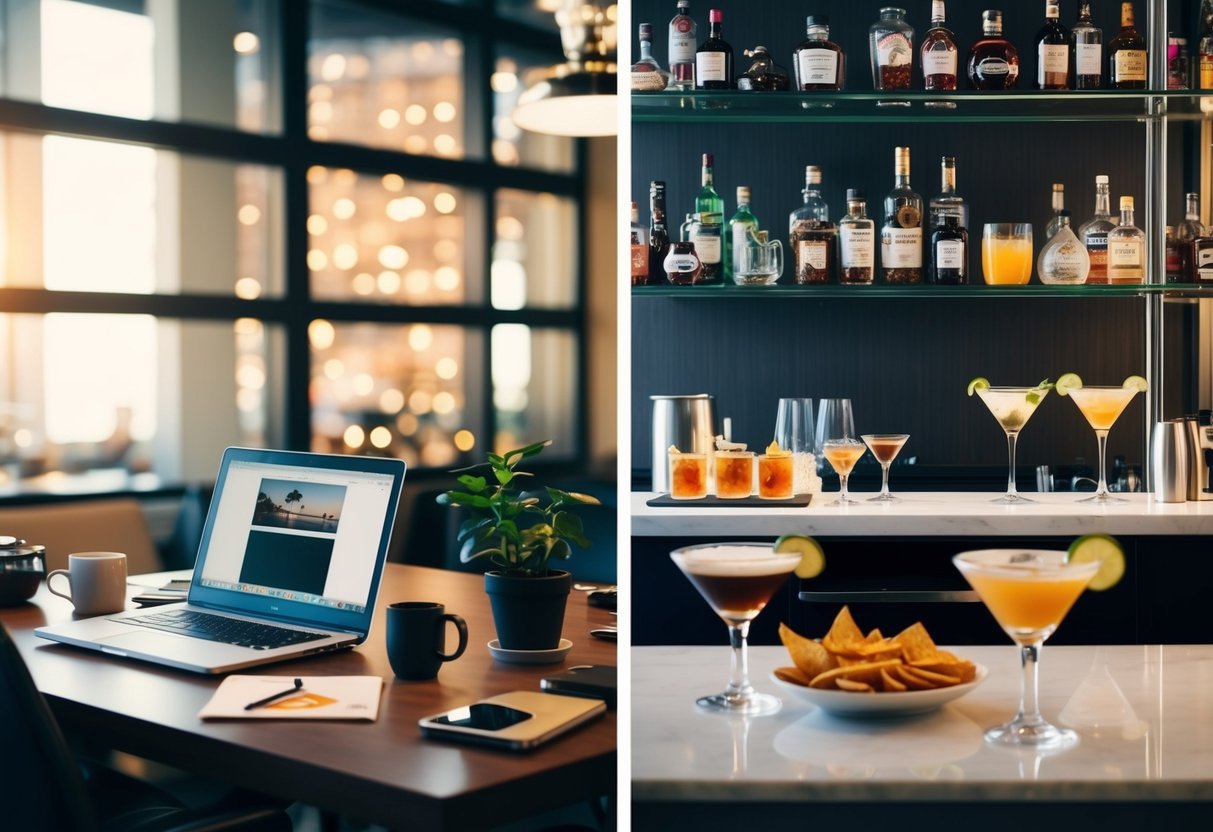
x,y
527,596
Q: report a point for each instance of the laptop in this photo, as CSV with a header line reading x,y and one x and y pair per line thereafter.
x,y
289,565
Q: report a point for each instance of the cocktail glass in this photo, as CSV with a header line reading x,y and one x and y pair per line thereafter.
x,y
1006,253
1028,592
885,447
734,474
842,454
1012,407
834,420
688,475
737,580
1102,406
776,475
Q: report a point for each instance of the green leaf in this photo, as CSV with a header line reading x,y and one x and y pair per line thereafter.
x,y
494,459
462,498
585,499
509,529
470,551
473,484
473,525
515,456
503,475
569,526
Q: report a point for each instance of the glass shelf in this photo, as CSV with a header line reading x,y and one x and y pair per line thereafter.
x,y
877,290
916,106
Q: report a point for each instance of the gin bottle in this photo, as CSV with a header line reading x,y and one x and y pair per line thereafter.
x,y
1063,259
740,224
682,47
1126,248
1087,40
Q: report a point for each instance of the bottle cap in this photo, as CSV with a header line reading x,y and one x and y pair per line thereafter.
x,y
715,16
1192,196
656,185
1102,179
635,212
812,175
743,194
855,194
991,19
1064,214
708,160
1126,203
817,20
646,31
948,161
684,4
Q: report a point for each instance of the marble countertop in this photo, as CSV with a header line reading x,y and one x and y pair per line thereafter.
x,y
1158,748
959,514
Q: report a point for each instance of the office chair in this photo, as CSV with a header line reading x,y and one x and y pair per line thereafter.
x,y
43,788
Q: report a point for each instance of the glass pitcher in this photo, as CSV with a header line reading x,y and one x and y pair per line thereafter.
x,y
760,262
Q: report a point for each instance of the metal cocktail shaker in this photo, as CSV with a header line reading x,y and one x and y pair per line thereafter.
x,y
687,422
1169,460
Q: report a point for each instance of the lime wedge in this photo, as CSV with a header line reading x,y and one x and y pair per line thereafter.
x,y
1102,549
1068,382
978,383
812,558
1136,383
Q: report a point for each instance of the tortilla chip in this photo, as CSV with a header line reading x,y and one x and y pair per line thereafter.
x,y
868,672
794,675
911,681
809,656
844,635
890,684
856,687
916,643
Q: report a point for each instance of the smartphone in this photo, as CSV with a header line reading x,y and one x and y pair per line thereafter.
x,y
595,681
518,721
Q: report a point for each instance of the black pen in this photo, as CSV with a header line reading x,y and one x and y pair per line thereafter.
x,y
278,695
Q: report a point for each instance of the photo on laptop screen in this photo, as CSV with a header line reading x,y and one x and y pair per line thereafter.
x,y
294,529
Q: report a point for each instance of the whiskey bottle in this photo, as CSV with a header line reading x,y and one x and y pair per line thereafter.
x,y
1064,259
740,224
1186,232
647,74
948,203
856,242
1127,54
1087,40
659,234
1202,259
993,60
1126,248
682,47
1204,46
891,43
714,57
639,246
1053,51
1059,205
811,234
1094,232
938,52
901,236
950,253
1175,271
819,63
708,224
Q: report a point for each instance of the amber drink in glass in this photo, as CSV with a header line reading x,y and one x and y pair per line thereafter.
x,y
688,475
775,473
734,474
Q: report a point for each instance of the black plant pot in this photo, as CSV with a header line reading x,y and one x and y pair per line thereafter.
x,y
528,611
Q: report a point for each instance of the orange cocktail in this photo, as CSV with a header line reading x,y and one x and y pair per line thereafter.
x,y
688,475
775,473
1027,605
734,474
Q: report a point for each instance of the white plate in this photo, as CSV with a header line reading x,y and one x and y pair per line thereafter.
x,y
898,703
556,654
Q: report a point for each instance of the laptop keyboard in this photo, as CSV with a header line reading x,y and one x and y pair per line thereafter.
x,y
224,629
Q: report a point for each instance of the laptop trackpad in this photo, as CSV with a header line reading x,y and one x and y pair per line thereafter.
x,y
157,644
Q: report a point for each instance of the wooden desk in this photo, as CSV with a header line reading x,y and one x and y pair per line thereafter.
x,y
381,772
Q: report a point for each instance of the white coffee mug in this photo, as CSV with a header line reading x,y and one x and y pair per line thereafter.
x,y
96,580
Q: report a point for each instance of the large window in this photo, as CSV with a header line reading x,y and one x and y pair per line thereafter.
x,y
299,224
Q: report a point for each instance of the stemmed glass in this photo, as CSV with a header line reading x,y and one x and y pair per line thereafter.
x,y
737,580
834,418
1028,592
1012,407
794,432
1102,406
885,447
837,442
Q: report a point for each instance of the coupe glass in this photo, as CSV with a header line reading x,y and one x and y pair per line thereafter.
x,y
1012,407
885,447
1102,406
794,432
1028,592
737,580
1006,253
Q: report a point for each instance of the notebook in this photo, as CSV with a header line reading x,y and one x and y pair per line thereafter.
x,y
289,565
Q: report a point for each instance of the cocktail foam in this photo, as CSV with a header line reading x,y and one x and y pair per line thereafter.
x,y
1023,564
734,561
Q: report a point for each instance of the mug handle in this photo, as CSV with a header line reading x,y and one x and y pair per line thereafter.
x,y
462,627
52,574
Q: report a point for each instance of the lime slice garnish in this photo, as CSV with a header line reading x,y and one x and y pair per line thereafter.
x,y
978,383
1136,383
812,558
1068,382
1104,550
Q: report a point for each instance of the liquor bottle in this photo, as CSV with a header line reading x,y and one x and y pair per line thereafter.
x,y
659,234
1094,232
993,60
1204,46
856,241
714,57
948,203
684,230
647,74
740,224
1127,55
709,211
901,236
1177,63
1186,232
891,44
1175,270
1053,51
1064,259
950,253
1126,248
1059,205
818,62
938,52
1087,40
811,234
1202,259
639,242
682,47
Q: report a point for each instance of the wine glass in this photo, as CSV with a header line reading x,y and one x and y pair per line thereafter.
x,y
1028,592
737,580
885,447
834,419
794,432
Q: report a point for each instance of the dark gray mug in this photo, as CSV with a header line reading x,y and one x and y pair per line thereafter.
x,y
416,638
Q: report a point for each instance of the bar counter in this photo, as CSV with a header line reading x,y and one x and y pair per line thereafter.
x,y
1155,756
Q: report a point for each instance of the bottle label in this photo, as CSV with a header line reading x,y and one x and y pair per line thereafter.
x,y
1125,254
939,62
640,260
680,263
682,40
707,246
1067,261
1130,65
1088,59
812,253
1206,72
818,66
893,49
858,247
740,243
1204,263
1052,63
949,254
993,68
709,66
901,248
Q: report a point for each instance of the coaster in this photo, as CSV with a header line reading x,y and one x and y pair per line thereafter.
x,y
666,501
553,656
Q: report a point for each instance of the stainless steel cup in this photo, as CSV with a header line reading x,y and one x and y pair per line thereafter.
x,y
1169,460
687,422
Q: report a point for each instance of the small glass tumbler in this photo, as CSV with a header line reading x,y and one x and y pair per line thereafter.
x,y
688,475
1006,253
734,474
775,476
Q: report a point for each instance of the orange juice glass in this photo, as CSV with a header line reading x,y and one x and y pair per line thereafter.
x,y
688,475
734,474
1006,253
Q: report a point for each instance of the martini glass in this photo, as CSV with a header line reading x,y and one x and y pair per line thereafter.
x,y
1012,407
842,454
1102,406
737,580
885,447
1028,592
